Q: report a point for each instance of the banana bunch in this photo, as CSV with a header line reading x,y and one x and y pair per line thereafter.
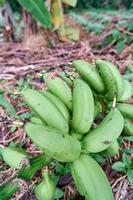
x,y
110,88
72,118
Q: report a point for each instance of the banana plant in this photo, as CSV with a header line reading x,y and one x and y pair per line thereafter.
x,y
38,10
52,18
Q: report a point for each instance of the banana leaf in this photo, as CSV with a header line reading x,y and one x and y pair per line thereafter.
x,y
38,10
1,2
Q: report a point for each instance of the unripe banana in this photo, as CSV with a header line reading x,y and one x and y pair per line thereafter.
x,y
90,179
112,79
13,156
45,109
8,189
90,74
112,150
54,143
128,128
126,110
58,103
105,134
127,91
83,107
46,189
60,89
36,120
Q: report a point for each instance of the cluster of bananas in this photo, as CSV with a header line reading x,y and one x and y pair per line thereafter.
x,y
64,126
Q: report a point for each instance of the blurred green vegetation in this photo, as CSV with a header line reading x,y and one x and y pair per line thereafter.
x,y
16,7
83,4
108,4
100,22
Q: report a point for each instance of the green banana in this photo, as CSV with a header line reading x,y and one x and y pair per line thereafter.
x,y
65,77
58,103
112,150
54,143
13,156
126,110
46,188
8,189
83,107
36,120
35,164
90,179
90,74
127,92
105,134
128,128
60,89
112,79
45,109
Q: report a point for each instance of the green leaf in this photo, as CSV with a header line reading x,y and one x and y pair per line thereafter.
x,y
10,109
129,151
98,158
130,175
13,129
119,166
126,160
120,46
20,84
1,91
38,10
26,115
2,2
58,194
70,2
116,34
0,152
61,169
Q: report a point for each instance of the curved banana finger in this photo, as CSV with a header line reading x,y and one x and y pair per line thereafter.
x,y
112,79
90,74
58,103
60,89
90,179
127,92
45,109
83,107
105,134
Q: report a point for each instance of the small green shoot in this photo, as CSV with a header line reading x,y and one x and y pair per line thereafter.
x,y
8,106
125,166
58,194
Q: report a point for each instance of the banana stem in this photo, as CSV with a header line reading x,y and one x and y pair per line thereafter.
x,y
114,103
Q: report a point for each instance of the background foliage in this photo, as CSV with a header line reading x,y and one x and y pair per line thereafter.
x,y
114,4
